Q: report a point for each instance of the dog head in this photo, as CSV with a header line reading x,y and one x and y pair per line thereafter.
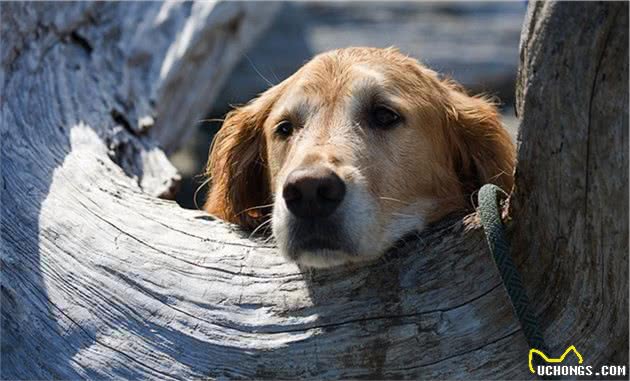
x,y
356,149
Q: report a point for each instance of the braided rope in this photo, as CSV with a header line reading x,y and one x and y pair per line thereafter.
x,y
489,196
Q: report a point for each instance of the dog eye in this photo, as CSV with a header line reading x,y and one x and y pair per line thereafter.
x,y
284,129
384,117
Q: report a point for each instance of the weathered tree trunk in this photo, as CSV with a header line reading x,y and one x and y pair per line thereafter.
x,y
101,279
570,203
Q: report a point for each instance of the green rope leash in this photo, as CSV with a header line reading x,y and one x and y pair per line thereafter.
x,y
489,212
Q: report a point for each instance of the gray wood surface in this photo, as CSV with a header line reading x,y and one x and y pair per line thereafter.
x,y
570,204
102,279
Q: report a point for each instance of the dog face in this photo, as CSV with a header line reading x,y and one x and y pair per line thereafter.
x,y
358,148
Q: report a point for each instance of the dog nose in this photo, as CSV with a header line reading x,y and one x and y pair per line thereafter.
x,y
314,192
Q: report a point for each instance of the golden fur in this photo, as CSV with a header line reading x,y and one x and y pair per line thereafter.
x,y
449,144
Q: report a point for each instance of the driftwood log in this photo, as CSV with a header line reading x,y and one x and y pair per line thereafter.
x,y
570,202
102,279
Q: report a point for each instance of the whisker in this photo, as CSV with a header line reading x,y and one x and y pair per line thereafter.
x,y
197,192
270,239
404,215
472,198
501,173
265,231
259,227
258,72
210,120
366,167
394,199
362,131
254,207
418,237
275,76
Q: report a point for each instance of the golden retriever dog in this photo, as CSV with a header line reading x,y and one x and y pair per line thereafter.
x,y
358,148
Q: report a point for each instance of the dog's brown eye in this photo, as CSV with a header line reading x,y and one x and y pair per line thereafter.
x,y
284,129
384,117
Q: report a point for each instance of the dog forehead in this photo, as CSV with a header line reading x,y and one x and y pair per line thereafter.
x,y
328,86
346,79
337,73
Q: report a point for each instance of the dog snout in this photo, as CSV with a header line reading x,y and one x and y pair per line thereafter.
x,y
313,192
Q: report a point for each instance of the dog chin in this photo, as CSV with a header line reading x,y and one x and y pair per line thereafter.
x,y
322,250
323,258
326,258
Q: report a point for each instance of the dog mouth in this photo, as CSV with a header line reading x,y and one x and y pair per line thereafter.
x,y
318,244
317,238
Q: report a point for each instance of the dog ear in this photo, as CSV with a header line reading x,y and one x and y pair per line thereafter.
x,y
484,152
236,165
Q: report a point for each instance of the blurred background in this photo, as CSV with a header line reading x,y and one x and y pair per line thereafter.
x,y
474,43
